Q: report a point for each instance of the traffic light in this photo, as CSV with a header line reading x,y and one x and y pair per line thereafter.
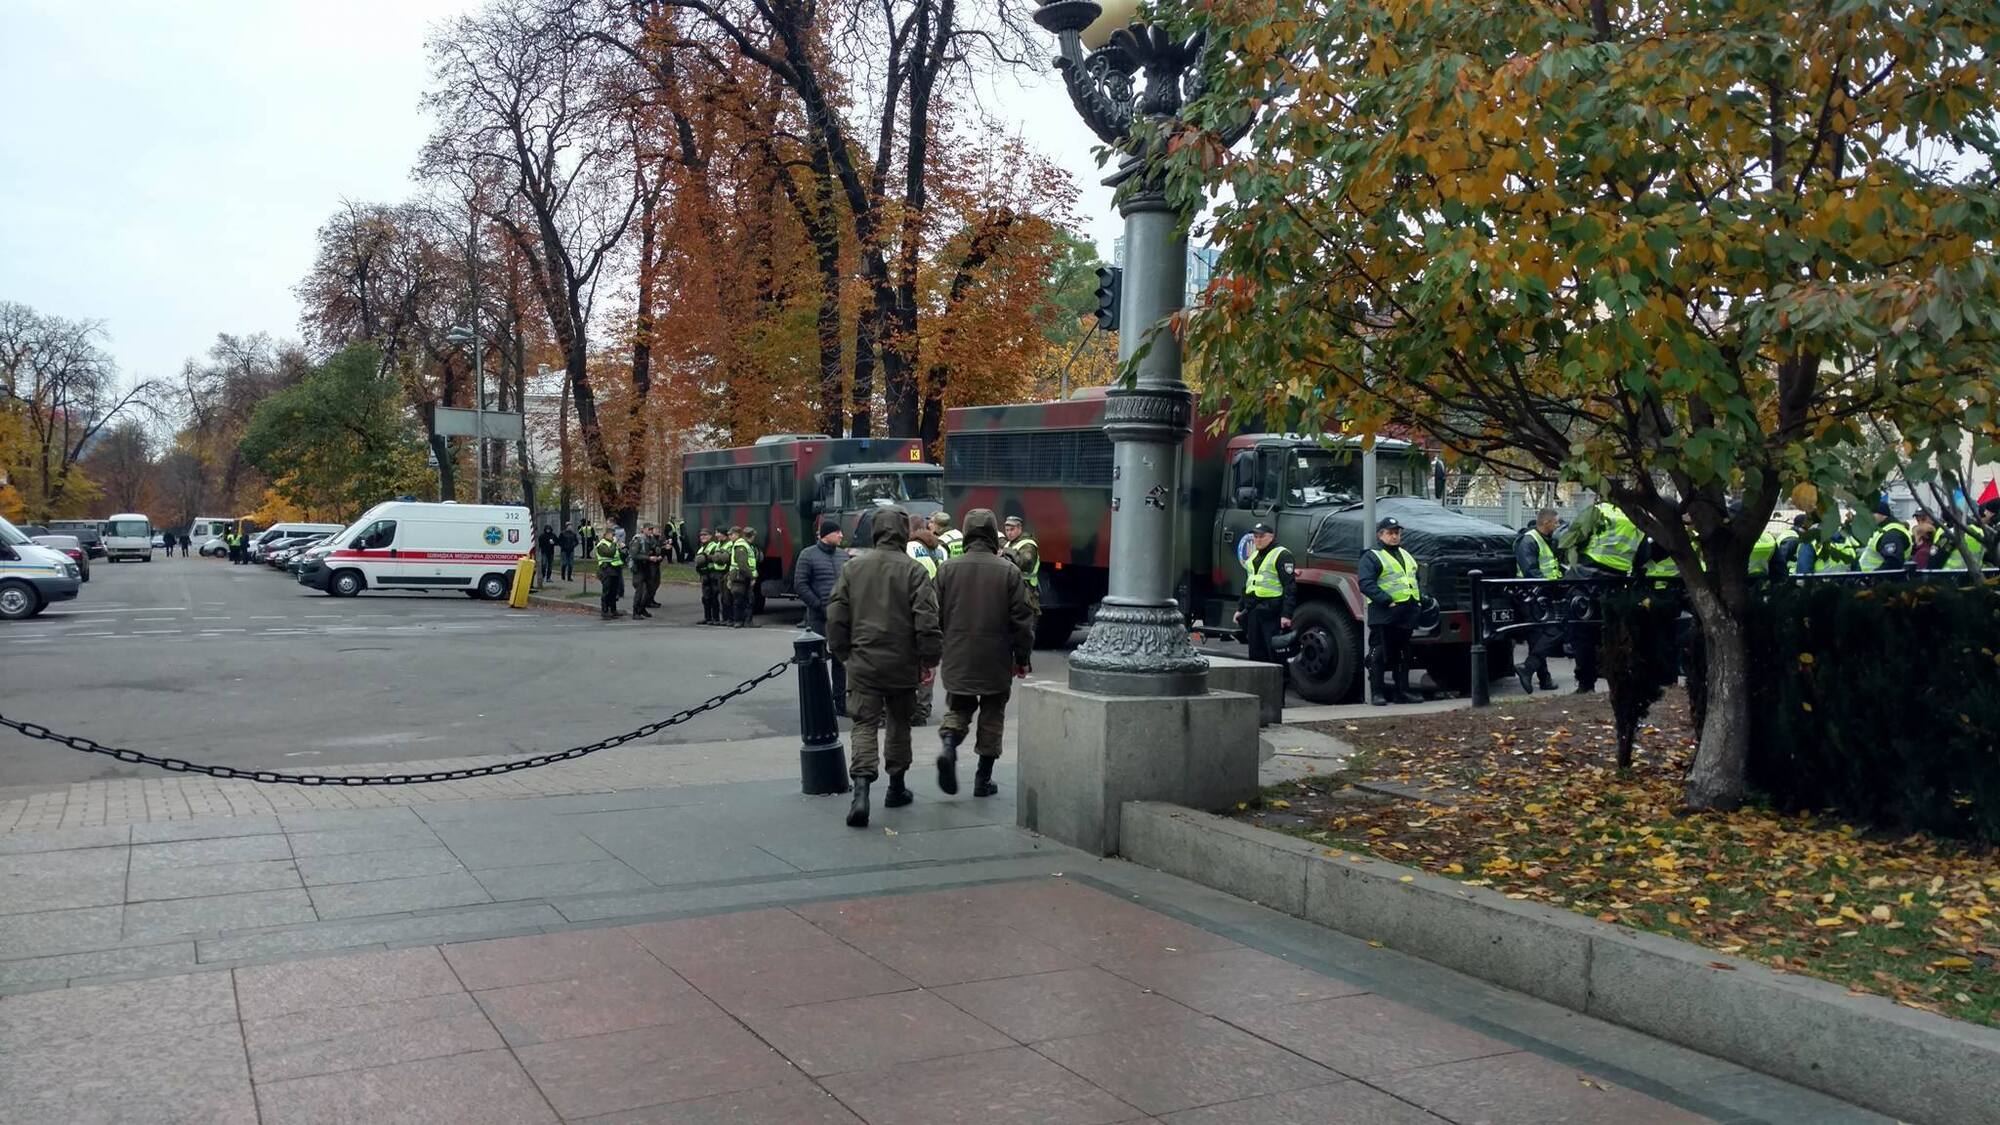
x,y
1110,280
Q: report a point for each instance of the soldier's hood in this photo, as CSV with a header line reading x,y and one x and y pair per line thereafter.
x,y
982,526
890,527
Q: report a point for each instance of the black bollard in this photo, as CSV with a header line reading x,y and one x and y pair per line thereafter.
x,y
822,760
1481,691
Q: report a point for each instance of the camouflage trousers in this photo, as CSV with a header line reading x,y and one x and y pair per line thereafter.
x,y
992,711
920,704
883,716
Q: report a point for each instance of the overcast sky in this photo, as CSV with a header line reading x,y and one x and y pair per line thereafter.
x,y
168,163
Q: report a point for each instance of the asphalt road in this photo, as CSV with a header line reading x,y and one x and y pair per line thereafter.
x,y
241,666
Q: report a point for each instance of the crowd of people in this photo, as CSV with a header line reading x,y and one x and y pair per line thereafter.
x,y
1603,542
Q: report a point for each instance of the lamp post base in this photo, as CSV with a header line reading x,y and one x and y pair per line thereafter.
x,y
1138,650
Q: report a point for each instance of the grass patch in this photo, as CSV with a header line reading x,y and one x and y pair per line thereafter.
x,y
1525,799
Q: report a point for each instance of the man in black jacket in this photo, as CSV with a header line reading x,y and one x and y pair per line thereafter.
x,y
547,543
566,543
1388,579
813,577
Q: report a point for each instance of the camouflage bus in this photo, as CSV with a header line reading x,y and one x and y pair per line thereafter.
x,y
782,486
1050,464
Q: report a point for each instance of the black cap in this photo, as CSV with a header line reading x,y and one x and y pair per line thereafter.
x,y
1802,521
1263,529
1386,523
828,527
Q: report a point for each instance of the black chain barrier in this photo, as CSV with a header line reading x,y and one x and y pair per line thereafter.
x,y
178,765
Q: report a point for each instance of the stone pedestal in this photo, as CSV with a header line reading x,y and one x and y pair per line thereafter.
x,y
1251,677
1083,755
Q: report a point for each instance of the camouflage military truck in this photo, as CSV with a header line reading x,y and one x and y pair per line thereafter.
x,y
783,485
1050,464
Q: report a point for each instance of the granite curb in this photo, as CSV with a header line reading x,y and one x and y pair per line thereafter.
x,y
1909,1064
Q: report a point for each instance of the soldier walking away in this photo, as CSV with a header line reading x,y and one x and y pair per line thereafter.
x,y
1603,542
610,574
1022,550
742,578
1269,596
989,637
547,544
813,580
186,542
949,538
1535,557
1388,579
566,542
710,560
923,547
882,622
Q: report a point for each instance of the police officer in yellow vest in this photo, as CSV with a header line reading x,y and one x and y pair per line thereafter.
x,y
1603,541
1269,595
610,558
1889,547
948,537
1965,548
1021,549
1535,557
709,565
1388,577
742,577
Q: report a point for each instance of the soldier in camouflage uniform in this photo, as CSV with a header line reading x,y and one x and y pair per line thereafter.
x,y
1022,550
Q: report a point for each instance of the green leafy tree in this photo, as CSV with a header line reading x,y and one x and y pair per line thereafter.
x,y
339,441
1682,252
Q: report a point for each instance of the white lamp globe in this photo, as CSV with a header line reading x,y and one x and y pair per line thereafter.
x,y
1116,14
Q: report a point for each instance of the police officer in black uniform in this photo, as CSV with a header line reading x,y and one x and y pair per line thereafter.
x,y
1388,579
1269,595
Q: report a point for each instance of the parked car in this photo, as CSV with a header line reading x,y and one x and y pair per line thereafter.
x,y
69,547
31,576
159,540
216,547
88,532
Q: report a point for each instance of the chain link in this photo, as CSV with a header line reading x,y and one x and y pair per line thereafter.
x,y
178,765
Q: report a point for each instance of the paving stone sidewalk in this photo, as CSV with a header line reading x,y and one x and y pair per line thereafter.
x,y
731,952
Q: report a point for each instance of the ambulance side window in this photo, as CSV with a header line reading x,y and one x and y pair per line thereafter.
x,y
376,536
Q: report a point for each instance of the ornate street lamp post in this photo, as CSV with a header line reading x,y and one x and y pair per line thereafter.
x,y
1138,643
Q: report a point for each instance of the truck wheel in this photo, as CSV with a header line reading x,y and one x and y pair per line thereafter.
x,y
1053,628
493,587
346,583
18,600
1327,666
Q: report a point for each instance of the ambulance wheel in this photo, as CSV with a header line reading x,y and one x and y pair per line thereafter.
x,y
346,583
493,587
19,600
1327,666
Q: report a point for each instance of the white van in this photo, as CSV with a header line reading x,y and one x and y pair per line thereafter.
x,y
206,528
407,545
31,576
128,536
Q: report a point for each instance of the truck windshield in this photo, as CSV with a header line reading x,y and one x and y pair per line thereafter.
x,y
1324,476
127,529
874,488
924,486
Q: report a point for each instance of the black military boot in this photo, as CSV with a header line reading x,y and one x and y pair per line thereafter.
x,y
947,761
1526,675
1403,687
1378,691
857,811
898,794
982,779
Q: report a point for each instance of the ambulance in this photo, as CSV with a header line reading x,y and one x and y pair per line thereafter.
x,y
410,545
31,577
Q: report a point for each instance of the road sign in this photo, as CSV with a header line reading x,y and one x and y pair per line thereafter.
x,y
456,421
